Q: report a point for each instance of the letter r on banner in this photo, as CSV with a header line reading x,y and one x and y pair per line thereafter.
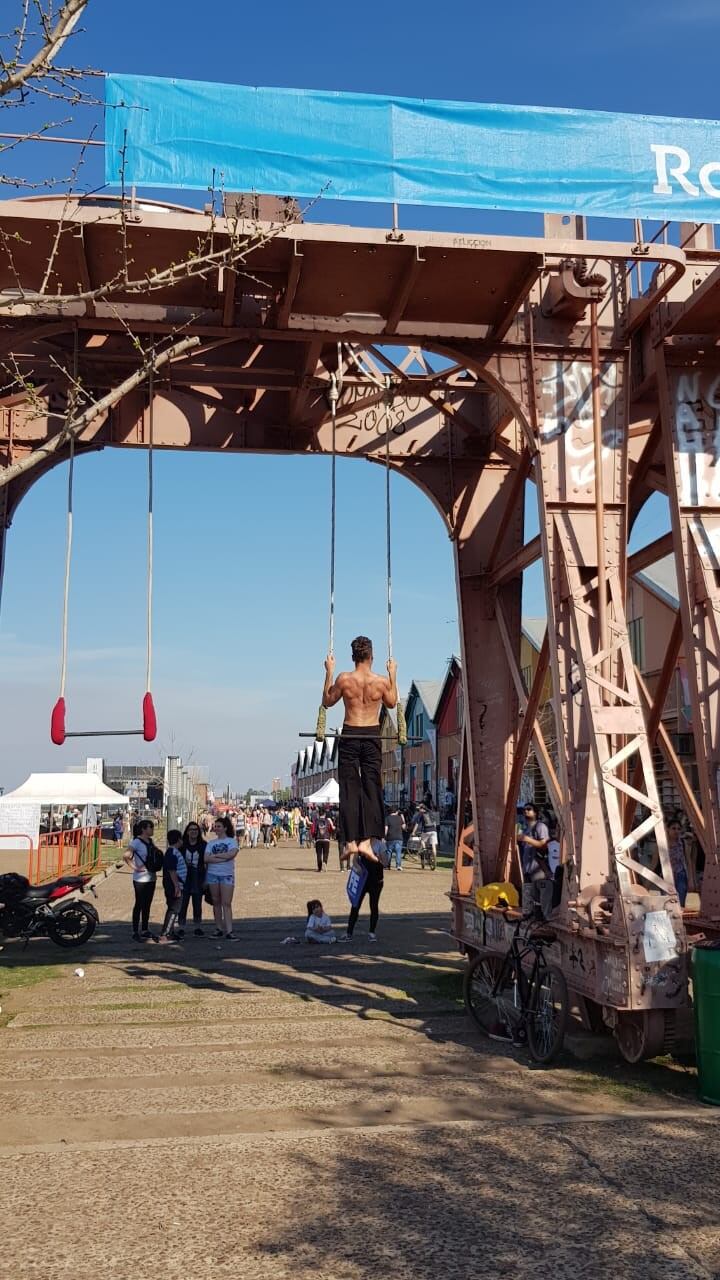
x,y
662,186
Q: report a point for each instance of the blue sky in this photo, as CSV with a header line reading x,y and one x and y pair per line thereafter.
x,y
242,542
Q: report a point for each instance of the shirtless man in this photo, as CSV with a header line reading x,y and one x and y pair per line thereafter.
x,y
362,812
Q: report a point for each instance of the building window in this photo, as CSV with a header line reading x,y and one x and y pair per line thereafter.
x,y
460,706
527,678
636,636
419,725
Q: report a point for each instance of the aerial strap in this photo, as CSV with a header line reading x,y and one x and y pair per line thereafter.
x,y
148,707
57,716
68,562
333,397
401,722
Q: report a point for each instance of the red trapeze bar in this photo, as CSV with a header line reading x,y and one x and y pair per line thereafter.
x,y
58,732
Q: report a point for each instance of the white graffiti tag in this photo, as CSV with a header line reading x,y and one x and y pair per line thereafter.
x,y
697,436
567,405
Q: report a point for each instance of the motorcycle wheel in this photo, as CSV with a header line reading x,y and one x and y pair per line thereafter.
x,y
74,924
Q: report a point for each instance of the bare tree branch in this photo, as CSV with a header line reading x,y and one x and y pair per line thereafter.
x,y
54,39
74,425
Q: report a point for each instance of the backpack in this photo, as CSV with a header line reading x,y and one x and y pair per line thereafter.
x,y
382,853
153,860
534,861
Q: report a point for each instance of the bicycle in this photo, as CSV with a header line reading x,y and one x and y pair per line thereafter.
x,y
419,849
509,1003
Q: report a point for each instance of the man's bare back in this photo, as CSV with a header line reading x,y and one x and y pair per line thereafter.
x,y
362,691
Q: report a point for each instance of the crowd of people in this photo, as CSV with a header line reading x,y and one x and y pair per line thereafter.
x,y
198,864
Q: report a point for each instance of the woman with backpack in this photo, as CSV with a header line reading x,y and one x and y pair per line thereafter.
x,y
322,830
145,860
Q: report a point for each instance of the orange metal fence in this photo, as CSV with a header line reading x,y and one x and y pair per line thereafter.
x,y
64,853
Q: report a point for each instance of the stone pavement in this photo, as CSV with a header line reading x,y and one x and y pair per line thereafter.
x,y
262,1111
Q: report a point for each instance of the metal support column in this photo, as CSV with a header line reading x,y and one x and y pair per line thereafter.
x,y
690,410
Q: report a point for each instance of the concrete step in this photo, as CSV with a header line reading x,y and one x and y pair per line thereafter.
x,y
240,1031
177,1114
348,1053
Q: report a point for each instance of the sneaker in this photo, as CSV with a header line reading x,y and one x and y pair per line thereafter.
x,y
179,934
145,933
230,937
217,933
345,937
163,939
136,937
372,937
199,933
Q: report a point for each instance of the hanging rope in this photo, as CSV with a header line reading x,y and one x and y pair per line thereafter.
x,y
333,397
68,561
148,707
148,666
401,723
388,429
57,715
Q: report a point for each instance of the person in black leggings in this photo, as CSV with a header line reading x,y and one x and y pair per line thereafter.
x,y
194,853
372,889
142,856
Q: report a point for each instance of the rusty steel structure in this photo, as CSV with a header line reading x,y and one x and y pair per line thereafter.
x,y
589,368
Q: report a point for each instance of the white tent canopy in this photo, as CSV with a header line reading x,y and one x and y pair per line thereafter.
x,y
328,794
64,789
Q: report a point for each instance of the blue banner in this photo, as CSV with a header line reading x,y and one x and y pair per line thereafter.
x,y
352,146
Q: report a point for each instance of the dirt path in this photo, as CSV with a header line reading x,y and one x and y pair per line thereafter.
x,y
264,1111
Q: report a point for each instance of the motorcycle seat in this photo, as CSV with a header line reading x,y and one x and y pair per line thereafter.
x,y
41,891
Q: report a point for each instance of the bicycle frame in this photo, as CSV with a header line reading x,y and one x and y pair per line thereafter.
x,y
513,966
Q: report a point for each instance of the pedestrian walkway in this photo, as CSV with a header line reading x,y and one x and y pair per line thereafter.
x,y
263,1111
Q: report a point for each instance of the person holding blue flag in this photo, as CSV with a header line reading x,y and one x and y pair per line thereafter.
x,y
366,880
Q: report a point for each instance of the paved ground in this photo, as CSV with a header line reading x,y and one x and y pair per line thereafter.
x,y
263,1111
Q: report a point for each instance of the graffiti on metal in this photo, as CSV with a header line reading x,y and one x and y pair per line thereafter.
x,y
697,434
568,415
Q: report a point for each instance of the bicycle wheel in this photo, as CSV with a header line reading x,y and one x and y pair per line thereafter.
x,y
547,1013
490,996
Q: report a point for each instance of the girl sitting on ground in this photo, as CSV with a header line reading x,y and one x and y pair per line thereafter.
x,y
319,927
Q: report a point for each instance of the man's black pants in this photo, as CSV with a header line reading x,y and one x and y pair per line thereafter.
x,y
322,853
362,811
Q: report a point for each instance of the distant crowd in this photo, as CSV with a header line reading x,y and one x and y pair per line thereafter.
x,y
198,864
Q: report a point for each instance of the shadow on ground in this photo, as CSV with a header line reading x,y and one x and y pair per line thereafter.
x,y
412,976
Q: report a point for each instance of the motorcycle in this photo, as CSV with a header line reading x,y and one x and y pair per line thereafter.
x,y
46,910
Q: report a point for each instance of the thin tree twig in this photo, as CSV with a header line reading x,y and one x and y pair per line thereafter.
x,y
73,427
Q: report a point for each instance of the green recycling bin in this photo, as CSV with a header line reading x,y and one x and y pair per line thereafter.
x,y
706,1001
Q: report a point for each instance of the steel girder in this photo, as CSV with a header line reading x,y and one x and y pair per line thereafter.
x,y
556,383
